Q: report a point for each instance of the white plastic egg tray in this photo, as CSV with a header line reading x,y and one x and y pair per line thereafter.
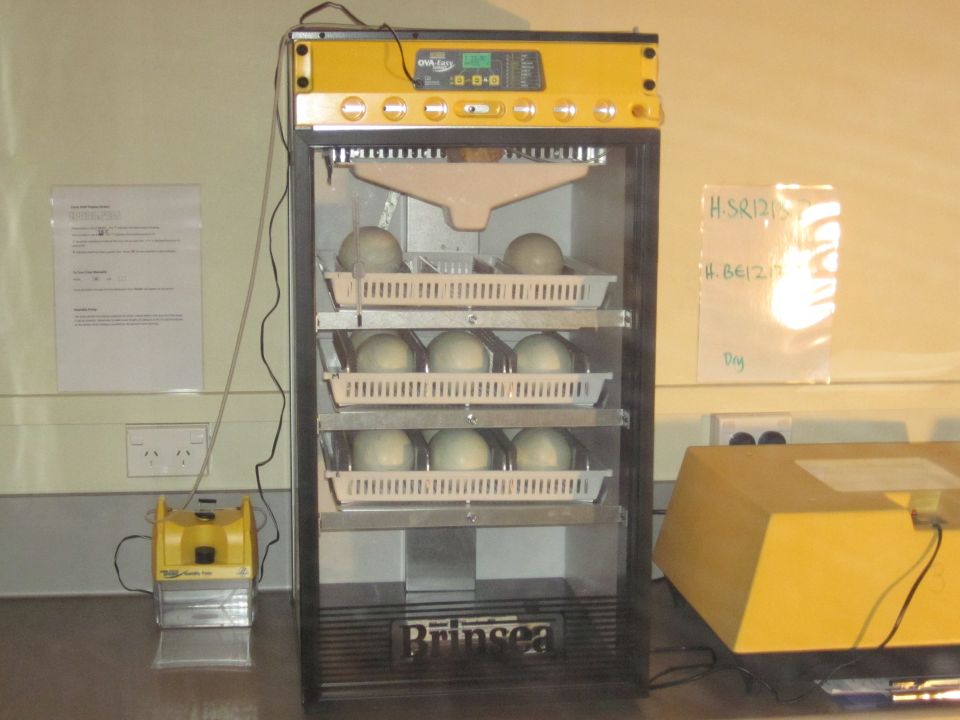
x,y
465,486
465,388
441,281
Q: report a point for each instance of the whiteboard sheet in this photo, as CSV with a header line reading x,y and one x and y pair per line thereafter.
x,y
128,288
767,283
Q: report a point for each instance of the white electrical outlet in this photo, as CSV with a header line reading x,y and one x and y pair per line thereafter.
x,y
723,426
165,450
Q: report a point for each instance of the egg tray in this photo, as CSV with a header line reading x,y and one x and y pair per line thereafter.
x,y
465,388
423,485
502,386
480,486
443,280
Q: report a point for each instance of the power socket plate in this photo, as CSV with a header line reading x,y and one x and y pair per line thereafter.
x,y
724,426
165,450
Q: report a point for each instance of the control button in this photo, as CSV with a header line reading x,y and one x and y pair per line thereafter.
x,y
524,109
353,108
459,79
476,80
564,110
435,108
465,108
394,108
494,81
604,110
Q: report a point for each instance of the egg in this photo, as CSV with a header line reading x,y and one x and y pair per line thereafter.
x,y
542,449
379,251
385,353
457,351
359,337
457,449
543,353
383,450
534,254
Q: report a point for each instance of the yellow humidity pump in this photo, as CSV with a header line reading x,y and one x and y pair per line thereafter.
x,y
205,566
786,548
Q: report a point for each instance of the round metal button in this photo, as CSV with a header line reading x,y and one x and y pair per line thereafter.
x,y
604,110
564,110
524,109
435,108
353,108
394,108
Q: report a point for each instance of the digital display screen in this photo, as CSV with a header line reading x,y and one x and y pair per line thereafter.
x,y
477,60
455,70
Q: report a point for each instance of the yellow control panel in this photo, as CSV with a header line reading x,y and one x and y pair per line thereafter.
x,y
376,80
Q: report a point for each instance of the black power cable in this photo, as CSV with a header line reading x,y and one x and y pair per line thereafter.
x,y
704,668
416,82
357,21
273,377
335,6
116,564
279,126
710,668
913,589
893,630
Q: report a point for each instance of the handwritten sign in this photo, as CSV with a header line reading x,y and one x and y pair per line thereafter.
x,y
768,268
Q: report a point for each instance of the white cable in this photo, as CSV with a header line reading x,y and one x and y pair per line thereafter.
x,y
274,128
263,516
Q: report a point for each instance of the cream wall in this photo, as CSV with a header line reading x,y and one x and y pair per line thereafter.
x,y
130,93
860,94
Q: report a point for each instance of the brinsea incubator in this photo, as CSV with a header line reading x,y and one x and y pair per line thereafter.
x,y
473,223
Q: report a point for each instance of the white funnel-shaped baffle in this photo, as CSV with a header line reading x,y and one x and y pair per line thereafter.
x,y
469,191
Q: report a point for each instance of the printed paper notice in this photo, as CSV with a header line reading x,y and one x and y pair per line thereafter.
x,y
128,301
767,283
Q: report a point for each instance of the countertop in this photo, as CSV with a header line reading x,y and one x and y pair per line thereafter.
x,y
104,657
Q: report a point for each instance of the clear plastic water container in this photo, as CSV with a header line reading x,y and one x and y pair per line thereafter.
x,y
204,603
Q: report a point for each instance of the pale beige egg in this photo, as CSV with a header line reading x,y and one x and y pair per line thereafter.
x,y
459,449
382,450
534,254
359,337
384,353
379,251
457,351
542,353
542,449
